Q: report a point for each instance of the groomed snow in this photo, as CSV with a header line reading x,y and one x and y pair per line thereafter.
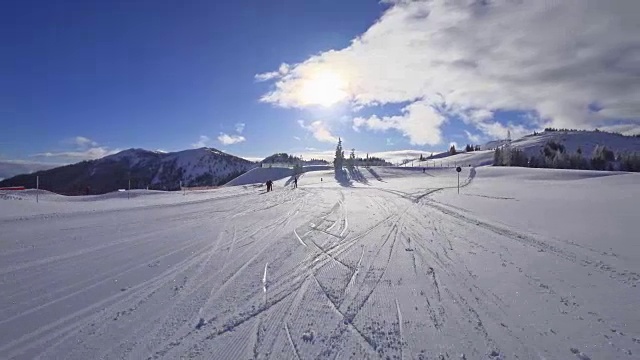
x,y
381,262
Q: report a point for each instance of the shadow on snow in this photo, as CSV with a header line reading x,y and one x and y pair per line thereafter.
x,y
342,178
375,174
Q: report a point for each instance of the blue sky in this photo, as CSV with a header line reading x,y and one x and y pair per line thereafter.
x,y
83,79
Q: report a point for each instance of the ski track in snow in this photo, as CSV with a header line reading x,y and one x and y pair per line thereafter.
x,y
404,273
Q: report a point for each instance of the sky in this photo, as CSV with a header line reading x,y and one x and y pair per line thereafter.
x,y
83,79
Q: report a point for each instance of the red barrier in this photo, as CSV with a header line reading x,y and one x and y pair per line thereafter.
x,y
13,188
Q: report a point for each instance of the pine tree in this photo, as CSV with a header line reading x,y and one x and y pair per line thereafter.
x,y
352,158
452,150
497,157
339,158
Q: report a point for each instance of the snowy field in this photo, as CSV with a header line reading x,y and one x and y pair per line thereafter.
x,y
388,263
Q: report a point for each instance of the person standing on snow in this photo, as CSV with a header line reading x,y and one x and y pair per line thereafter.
x,y
295,182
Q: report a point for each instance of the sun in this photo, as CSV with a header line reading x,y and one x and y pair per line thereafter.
x,y
324,88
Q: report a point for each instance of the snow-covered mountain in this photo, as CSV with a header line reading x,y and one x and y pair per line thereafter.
x,y
156,170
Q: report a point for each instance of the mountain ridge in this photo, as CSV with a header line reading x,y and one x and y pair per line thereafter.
x,y
143,168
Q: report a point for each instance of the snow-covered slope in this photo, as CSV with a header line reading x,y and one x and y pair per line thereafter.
x,y
586,141
261,175
392,263
474,158
156,170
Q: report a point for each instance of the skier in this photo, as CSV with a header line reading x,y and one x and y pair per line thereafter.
x,y
295,182
268,185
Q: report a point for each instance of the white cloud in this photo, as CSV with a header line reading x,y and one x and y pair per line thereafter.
x,y
555,58
85,149
390,142
397,155
391,156
296,138
327,155
227,139
88,154
83,142
497,130
475,139
477,115
419,122
320,131
282,70
267,76
202,142
624,129
240,128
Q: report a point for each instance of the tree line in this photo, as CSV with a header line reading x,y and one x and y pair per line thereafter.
x,y
555,156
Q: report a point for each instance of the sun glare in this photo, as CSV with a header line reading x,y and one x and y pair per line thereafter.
x,y
324,88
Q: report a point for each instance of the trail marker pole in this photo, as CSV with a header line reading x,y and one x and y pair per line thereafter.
x,y
129,192
458,169
37,188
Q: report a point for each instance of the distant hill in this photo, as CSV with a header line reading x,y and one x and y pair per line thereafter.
x,y
155,170
284,158
9,168
572,140
586,141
